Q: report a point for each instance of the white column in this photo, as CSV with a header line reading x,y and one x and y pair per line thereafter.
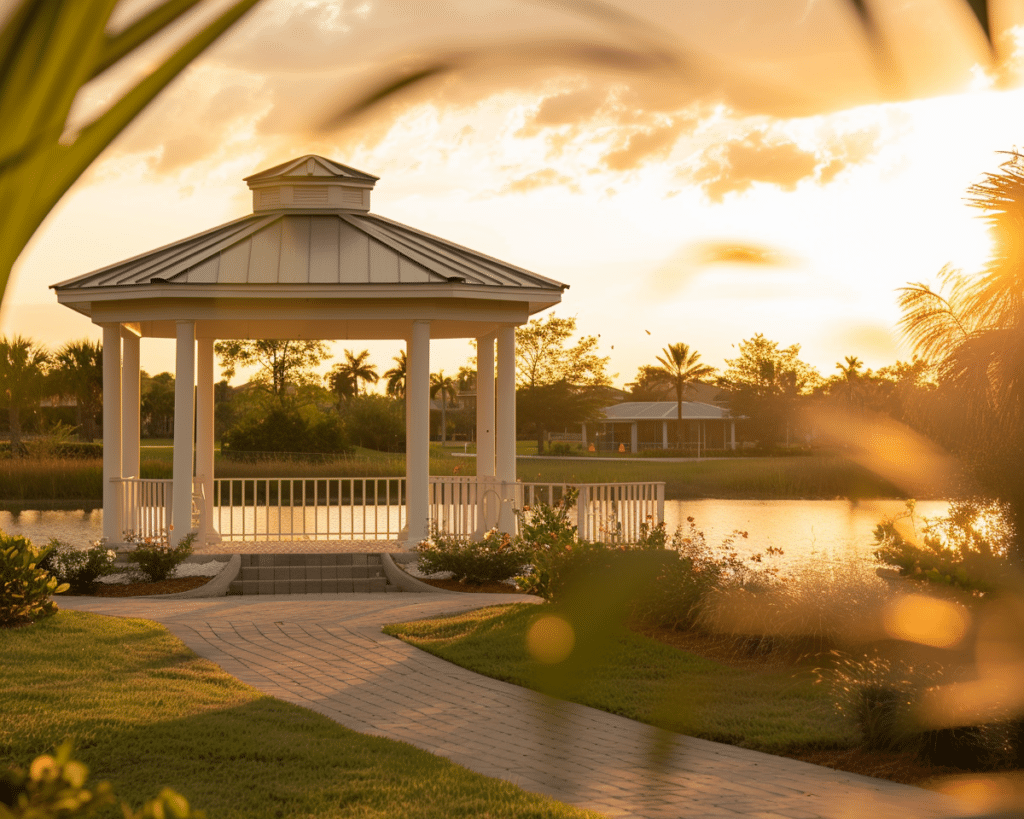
x,y
204,436
505,423
184,397
732,435
112,433
130,405
664,434
417,425
634,442
485,406
583,429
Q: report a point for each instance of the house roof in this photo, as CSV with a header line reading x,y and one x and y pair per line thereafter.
x,y
663,411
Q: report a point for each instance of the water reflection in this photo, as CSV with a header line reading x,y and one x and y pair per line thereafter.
x,y
803,529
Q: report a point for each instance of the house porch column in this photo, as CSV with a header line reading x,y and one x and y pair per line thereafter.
x,y
664,434
417,438
634,443
184,398
505,434
112,433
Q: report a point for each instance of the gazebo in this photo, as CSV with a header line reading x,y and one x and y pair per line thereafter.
x,y
311,262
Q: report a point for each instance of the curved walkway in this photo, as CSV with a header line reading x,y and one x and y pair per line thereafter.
x,y
327,653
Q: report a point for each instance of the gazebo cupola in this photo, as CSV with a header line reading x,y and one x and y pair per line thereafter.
x,y
311,183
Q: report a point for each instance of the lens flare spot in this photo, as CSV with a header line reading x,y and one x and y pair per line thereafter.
x,y
920,619
550,640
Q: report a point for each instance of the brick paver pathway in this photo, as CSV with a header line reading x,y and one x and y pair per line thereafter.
x,y
327,653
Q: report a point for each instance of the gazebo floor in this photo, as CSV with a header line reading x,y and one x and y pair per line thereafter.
x,y
276,547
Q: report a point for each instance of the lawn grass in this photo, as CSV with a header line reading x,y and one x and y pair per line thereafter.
x,y
645,680
145,712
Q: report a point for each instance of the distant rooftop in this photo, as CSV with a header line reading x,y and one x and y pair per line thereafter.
x,y
663,411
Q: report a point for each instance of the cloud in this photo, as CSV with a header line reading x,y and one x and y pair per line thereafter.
x,y
540,179
761,156
644,145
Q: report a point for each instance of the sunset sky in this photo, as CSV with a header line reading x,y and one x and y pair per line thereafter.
x,y
729,168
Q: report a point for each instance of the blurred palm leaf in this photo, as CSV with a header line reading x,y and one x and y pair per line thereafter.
x,y
49,50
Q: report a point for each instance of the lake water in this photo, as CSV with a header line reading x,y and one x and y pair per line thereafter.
x,y
803,529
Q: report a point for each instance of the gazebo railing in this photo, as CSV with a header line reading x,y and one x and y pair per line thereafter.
x,y
374,508
309,508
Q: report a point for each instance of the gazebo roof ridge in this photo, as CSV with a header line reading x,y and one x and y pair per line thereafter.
x,y
336,169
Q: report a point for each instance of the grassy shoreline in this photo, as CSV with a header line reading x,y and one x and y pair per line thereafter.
x,y
824,477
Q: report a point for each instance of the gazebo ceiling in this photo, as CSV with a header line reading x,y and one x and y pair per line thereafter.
x,y
314,264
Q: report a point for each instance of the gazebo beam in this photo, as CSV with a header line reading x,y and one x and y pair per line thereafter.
x,y
184,396
417,446
112,433
204,435
130,404
505,434
485,406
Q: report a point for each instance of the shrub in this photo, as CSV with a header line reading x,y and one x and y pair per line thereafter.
x,y
54,787
969,548
285,430
157,561
697,579
495,558
376,422
562,449
79,568
25,588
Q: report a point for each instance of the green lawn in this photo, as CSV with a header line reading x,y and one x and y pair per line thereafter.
x,y
645,680
144,712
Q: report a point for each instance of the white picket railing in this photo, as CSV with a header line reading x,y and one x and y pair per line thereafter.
x,y
612,512
145,507
374,508
309,508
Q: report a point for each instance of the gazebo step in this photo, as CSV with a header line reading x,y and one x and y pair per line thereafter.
x,y
311,574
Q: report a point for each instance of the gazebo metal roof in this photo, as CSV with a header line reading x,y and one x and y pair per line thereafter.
x,y
663,411
311,237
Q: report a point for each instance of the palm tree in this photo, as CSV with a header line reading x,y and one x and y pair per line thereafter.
x,y
852,377
345,377
681,368
396,375
973,329
78,372
446,385
23,366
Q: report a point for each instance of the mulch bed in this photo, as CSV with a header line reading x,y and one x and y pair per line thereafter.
x,y
178,584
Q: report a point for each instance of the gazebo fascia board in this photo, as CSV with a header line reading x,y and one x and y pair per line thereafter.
x,y
327,273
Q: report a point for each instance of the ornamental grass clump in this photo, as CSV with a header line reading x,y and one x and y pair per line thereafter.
x,y
156,561
79,568
25,587
495,558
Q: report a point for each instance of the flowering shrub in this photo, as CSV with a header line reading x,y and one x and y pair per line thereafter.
x,y
25,587
156,561
54,787
495,558
968,548
79,568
